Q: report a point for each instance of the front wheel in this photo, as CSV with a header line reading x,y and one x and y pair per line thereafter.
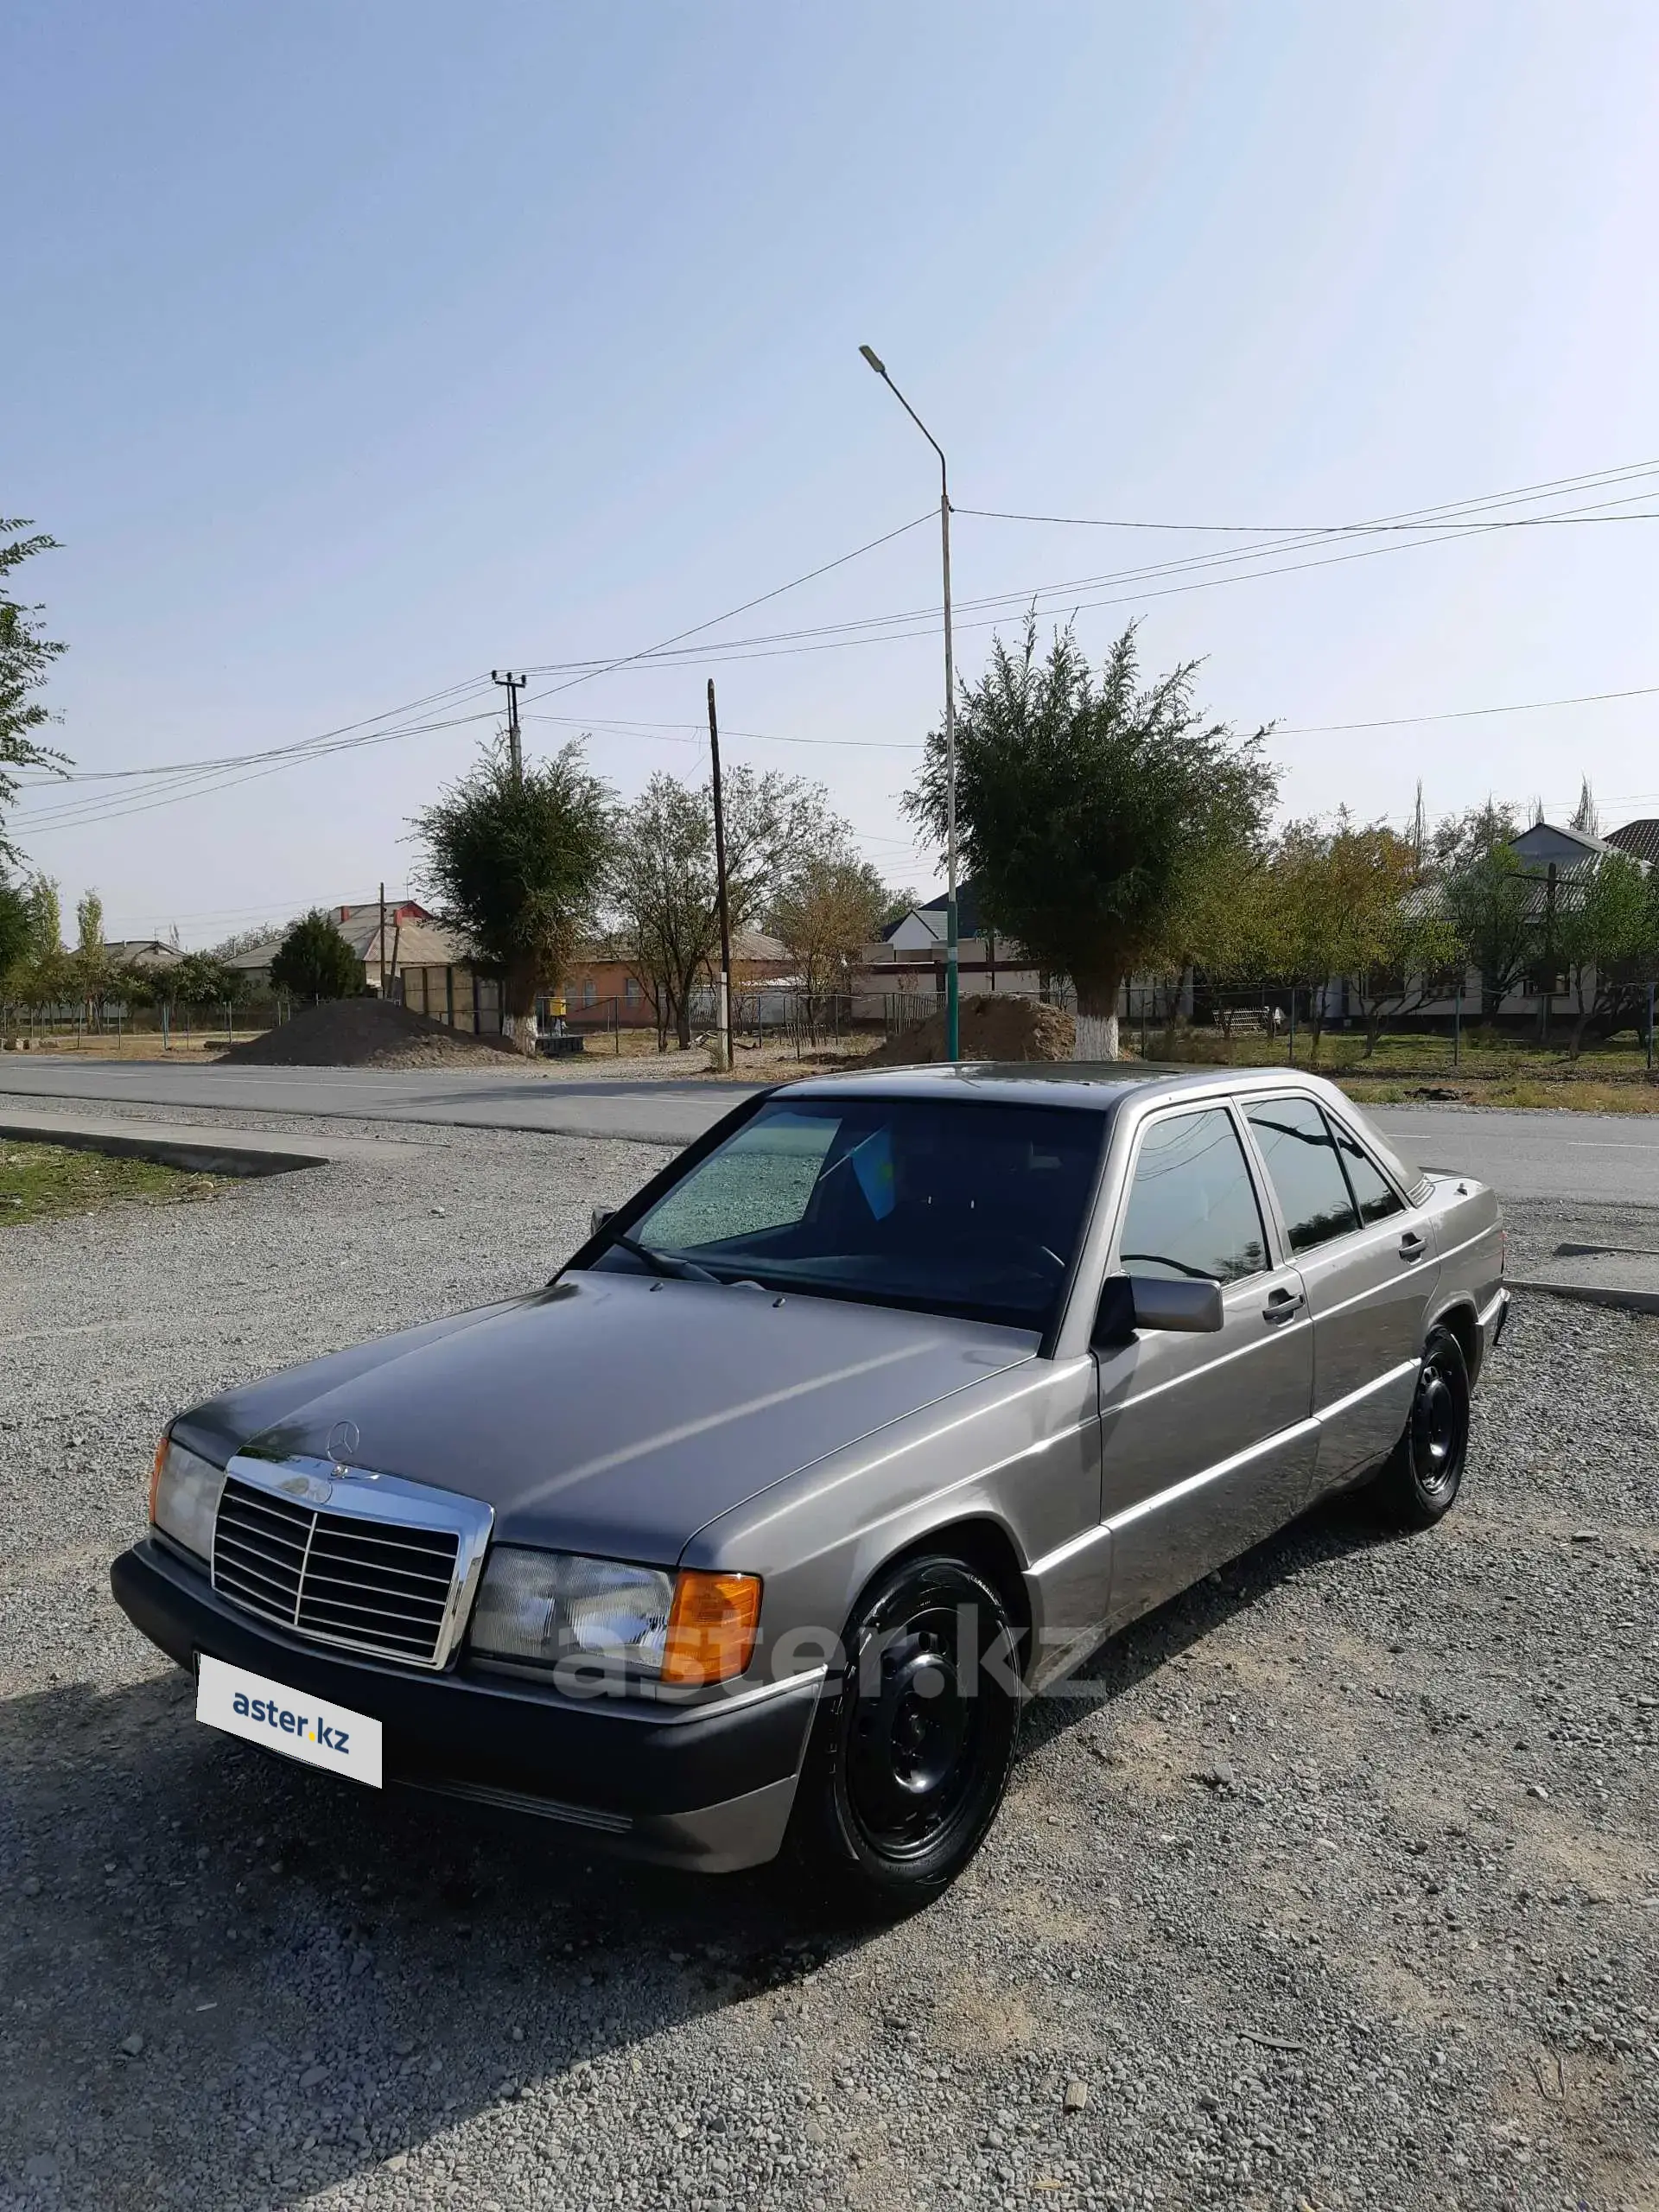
x,y
1424,1472
910,1758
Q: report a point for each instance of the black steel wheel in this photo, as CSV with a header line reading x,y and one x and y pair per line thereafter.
x,y
1425,1472
910,1753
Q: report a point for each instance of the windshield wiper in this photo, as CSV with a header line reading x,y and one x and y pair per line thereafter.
x,y
659,1262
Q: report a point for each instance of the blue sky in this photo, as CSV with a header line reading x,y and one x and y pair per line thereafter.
x,y
355,350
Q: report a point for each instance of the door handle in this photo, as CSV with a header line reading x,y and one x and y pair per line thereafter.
x,y
1281,1303
1412,1246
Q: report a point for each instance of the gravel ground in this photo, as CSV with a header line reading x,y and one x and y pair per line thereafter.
x,y
1339,1887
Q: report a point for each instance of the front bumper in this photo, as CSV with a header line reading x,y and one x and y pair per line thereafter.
x,y
708,1787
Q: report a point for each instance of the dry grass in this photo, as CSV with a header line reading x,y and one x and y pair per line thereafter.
x,y
143,1045
1561,1095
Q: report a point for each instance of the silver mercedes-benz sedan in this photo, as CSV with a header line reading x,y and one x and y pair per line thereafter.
x,y
867,1418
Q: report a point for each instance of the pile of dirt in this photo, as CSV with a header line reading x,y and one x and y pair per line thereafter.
x,y
990,1028
366,1033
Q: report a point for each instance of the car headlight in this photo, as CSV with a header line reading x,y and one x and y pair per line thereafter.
x,y
552,1607
184,1495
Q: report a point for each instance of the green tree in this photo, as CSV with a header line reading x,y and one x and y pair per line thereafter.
x,y
1490,901
313,962
201,979
135,985
1415,947
824,917
661,876
516,863
1458,840
1089,811
42,977
14,934
26,658
1607,938
1229,929
89,964
1350,903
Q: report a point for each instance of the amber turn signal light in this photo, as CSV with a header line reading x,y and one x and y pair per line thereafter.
x,y
156,1465
711,1627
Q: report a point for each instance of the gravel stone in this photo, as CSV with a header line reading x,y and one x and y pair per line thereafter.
x,y
1370,1973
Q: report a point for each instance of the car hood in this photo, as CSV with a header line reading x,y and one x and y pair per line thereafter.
x,y
612,1414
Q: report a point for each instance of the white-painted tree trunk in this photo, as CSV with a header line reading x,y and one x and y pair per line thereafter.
x,y
520,1030
1097,1037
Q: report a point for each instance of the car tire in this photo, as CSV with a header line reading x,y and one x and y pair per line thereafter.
x,y
1419,1482
910,1752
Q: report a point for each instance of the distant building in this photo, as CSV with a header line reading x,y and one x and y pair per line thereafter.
x,y
422,962
602,983
1639,839
141,953
910,955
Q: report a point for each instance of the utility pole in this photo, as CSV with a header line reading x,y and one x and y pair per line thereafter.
x,y
382,944
719,878
513,684
952,1029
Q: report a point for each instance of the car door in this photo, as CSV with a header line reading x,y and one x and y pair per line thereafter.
x,y
1367,1266
1207,1443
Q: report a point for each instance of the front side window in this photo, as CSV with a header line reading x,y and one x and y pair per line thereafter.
x,y
1374,1194
1192,1212
944,1205
1302,1156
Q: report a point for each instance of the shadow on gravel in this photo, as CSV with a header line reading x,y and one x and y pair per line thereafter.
x,y
1333,1530
225,1980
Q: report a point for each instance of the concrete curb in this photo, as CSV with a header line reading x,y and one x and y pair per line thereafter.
x,y
1633,1301
213,1152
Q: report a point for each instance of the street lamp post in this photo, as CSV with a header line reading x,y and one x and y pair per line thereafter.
x,y
952,1030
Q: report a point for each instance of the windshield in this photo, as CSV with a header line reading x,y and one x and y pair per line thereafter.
x,y
950,1206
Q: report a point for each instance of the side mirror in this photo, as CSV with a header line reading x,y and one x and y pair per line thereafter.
x,y
1131,1302
597,1219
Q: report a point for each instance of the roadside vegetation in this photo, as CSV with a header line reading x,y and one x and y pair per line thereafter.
x,y
39,1182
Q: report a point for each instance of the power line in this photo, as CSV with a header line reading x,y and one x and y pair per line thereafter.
x,y
111,807
1466,714
1405,518
324,738
777,645
731,615
761,736
79,814
172,782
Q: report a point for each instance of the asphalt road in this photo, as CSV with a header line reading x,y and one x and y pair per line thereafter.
x,y
1586,1159
644,1112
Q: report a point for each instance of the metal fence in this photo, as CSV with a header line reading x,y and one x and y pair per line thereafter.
x,y
73,1025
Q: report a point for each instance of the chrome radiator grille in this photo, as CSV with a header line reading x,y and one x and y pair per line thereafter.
x,y
383,1586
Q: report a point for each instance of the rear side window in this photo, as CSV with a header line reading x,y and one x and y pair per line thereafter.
x,y
1192,1212
1374,1195
1302,1156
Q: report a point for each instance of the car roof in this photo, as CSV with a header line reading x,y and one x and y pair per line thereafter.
x,y
1099,1085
